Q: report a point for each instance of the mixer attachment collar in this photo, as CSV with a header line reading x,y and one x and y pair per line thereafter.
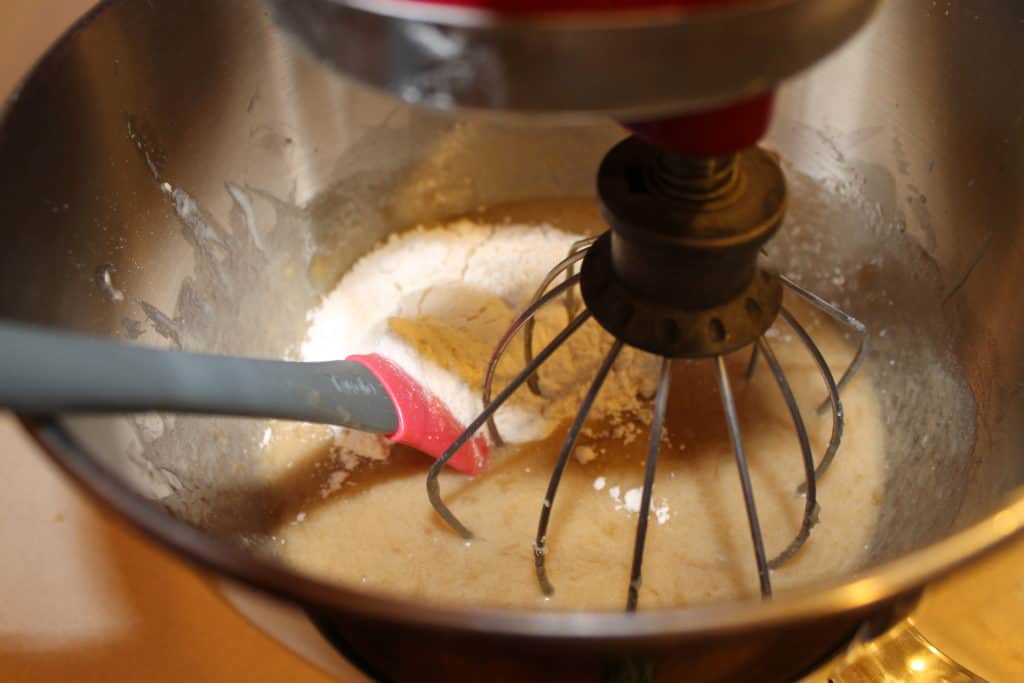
x,y
677,272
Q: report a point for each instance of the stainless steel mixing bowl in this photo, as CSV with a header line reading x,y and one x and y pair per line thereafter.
x,y
179,175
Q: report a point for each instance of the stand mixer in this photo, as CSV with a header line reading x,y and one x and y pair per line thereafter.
x,y
145,149
689,199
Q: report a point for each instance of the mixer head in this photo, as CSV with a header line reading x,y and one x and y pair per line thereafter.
x,y
689,199
634,60
695,76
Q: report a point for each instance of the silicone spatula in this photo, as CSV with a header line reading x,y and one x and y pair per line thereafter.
x,y
45,372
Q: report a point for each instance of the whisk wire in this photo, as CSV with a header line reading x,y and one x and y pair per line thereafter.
x,y
653,446
523,318
526,322
732,419
580,246
845,319
540,542
811,497
433,487
755,354
577,250
838,419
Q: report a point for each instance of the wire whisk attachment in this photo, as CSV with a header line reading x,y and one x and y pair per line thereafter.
x,y
669,279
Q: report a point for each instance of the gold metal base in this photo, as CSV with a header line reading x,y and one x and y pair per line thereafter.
x,y
900,655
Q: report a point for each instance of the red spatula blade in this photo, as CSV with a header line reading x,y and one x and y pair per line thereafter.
x,y
424,422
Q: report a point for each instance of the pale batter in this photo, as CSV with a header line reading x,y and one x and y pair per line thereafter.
x,y
354,513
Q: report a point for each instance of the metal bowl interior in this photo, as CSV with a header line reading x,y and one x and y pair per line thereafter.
x,y
183,177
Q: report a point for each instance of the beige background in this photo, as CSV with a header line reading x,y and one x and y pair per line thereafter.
x,y
85,598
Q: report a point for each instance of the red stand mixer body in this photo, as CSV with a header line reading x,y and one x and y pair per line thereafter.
x,y
720,130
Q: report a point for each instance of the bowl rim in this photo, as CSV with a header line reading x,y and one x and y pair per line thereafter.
x,y
830,597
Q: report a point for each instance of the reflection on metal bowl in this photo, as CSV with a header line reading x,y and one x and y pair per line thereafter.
x,y
190,160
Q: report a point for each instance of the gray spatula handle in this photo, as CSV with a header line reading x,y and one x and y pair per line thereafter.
x,y
55,372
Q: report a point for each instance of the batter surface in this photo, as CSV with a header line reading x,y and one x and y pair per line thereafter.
x,y
355,511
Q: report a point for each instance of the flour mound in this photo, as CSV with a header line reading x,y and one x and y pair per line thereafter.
x,y
437,300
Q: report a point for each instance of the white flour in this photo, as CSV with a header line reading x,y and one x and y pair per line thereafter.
x,y
436,301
